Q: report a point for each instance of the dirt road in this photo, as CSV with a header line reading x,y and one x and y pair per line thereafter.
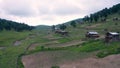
x,y
33,61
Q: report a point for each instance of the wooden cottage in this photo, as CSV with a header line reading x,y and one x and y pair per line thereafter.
x,y
92,34
112,36
62,32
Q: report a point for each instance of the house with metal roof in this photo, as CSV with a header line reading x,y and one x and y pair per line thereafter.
x,y
92,34
112,36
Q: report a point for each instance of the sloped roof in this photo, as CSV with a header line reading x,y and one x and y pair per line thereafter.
x,y
92,32
114,33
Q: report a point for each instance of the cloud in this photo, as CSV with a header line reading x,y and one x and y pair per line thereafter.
x,y
18,8
67,10
58,7
35,12
44,10
91,6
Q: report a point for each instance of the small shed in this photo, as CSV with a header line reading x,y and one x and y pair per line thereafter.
x,y
92,34
112,36
115,19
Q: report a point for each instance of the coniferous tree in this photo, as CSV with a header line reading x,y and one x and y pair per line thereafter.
x,y
53,28
62,27
73,24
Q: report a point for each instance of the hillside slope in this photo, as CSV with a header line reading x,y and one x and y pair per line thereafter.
x,y
56,52
12,25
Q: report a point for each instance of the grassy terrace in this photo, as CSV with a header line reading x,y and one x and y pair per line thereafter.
x,y
102,48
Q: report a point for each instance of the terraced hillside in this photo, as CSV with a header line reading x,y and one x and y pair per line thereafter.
x,y
75,51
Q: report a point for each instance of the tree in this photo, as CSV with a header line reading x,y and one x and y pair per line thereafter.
x,y
53,28
91,17
73,23
86,18
62,27
96,17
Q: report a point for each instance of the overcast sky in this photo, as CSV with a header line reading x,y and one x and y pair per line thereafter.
x,y
50,12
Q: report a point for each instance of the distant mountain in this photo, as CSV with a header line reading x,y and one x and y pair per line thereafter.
x,y
41,27
79,20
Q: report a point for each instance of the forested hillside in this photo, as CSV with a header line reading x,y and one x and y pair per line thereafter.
x,y
11,25
102,14
99,16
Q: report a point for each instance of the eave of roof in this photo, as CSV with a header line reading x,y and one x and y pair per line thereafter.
x,y
114,33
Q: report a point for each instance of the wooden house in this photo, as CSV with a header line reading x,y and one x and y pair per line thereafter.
x,y
116,19
92,34
62,32
112,36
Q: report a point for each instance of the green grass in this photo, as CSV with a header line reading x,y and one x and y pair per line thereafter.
x,y
112,48
90,46
8,37
64,40
9,54
103,49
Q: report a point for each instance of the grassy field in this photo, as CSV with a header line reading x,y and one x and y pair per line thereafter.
x,y
9,52
45,41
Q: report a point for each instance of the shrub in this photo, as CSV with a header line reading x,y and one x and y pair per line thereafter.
x,y
39,48
55,67
102,54
107,52
42,47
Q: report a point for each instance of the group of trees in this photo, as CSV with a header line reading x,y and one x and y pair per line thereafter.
x,y
63,26
11,25
103,14
73,24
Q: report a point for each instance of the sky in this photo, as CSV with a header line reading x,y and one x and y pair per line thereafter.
x,y
50,12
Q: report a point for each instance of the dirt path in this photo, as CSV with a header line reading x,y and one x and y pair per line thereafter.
x,y
32,61
92,26
72,43
17,43
112,61
33,46
2,48
55,44
52,38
